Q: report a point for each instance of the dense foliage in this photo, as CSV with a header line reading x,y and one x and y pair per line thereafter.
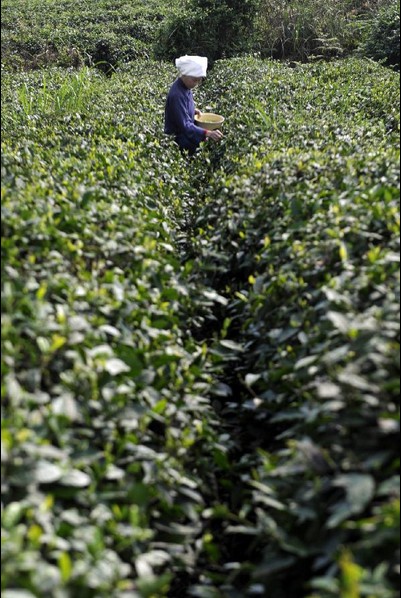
x,y
67,33
304,29
97,32
383,39
304,213
216,29
200,361
104,391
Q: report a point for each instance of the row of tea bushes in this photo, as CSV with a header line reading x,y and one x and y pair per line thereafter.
x,y
300,232
110,447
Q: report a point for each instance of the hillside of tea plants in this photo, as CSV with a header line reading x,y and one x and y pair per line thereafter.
x,y
200,359
39,33
36,33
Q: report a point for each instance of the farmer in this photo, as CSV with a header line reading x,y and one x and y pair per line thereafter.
x,y
180,105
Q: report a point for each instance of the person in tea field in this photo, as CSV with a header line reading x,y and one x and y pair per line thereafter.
x,y
180,106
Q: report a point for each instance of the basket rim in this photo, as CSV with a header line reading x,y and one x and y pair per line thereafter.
x,y
202,118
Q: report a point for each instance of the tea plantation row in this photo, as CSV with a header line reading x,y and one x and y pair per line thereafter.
x,y
36,33
106,416
200,360
301,233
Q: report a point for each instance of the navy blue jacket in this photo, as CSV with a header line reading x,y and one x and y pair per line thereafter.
x,y
180,115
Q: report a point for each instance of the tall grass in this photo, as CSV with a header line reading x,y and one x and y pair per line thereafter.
x,y
383,35
303,28
70,92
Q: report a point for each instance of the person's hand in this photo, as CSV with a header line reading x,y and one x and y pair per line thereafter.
x,y
198,112
215,135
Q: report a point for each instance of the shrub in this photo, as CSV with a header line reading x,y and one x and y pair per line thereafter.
x,y
35,35
301,29
383,39
301,233
104,390
139,293
215,29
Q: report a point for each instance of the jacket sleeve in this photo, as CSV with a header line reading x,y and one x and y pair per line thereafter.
x,y
183,121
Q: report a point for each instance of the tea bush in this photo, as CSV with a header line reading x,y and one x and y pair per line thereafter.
x,y
200,359
300,233
36,34
105,391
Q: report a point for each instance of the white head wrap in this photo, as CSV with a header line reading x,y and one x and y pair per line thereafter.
x,y
192,66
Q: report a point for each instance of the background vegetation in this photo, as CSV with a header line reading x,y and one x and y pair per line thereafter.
x,y
35,33
200,362
382,41
66,33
